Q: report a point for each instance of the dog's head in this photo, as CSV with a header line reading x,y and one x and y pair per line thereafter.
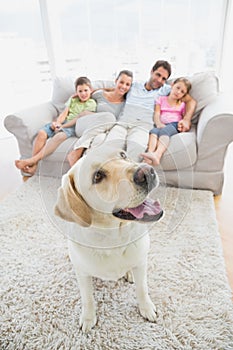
x,y
105,185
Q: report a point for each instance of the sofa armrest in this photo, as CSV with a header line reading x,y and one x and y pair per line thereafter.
x,y
214,133
25,124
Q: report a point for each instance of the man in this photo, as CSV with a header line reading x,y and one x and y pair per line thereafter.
x,y
132,130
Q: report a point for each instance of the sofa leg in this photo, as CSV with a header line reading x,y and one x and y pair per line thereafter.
x,y
25,178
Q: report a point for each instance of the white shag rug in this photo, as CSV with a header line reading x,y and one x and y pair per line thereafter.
x,y
40,300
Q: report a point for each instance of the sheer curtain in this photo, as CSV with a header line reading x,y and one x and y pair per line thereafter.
x,y
24,66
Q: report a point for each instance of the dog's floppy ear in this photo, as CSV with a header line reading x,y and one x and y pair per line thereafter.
x,y
70,204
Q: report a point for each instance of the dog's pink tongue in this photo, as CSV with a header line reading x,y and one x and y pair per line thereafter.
x,y
149,207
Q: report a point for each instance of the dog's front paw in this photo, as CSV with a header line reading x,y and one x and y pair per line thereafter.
x,y
148,310
87,321
129,277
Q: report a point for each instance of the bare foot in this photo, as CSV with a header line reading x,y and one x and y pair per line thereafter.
x,y
23,163
26,166
150,158
30,169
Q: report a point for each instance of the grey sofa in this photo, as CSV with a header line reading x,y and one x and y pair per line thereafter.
x,y
194,159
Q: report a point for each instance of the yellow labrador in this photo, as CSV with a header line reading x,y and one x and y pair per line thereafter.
x,y
105,195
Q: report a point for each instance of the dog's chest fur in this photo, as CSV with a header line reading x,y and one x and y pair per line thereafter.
x,y
108,264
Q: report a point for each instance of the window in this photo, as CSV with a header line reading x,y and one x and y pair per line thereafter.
x,y
43,38
101,37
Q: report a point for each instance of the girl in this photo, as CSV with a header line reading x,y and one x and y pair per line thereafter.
x,y
169,111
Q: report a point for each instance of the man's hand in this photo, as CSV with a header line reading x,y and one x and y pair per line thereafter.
x,y
184,125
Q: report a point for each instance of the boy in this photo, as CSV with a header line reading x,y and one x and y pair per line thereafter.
x,y
59,130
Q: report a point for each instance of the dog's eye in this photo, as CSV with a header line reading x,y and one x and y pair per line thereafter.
x,y
98,176
123,155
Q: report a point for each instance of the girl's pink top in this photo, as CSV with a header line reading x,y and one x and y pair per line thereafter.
x,y
169,114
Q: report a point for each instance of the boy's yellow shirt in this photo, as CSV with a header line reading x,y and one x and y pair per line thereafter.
x,y
76,106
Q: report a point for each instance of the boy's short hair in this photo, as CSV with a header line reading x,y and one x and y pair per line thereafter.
x,y
82,81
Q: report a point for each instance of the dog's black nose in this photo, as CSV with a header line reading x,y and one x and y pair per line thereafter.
x,y
145,176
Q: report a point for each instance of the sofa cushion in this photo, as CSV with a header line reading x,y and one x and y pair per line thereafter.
x,y
181,152
63,88
95,120
205,88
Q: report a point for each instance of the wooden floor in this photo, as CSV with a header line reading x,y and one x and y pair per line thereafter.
x,y
10,179
224,213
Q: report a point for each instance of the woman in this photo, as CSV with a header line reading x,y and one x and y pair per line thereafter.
x,y
110,103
